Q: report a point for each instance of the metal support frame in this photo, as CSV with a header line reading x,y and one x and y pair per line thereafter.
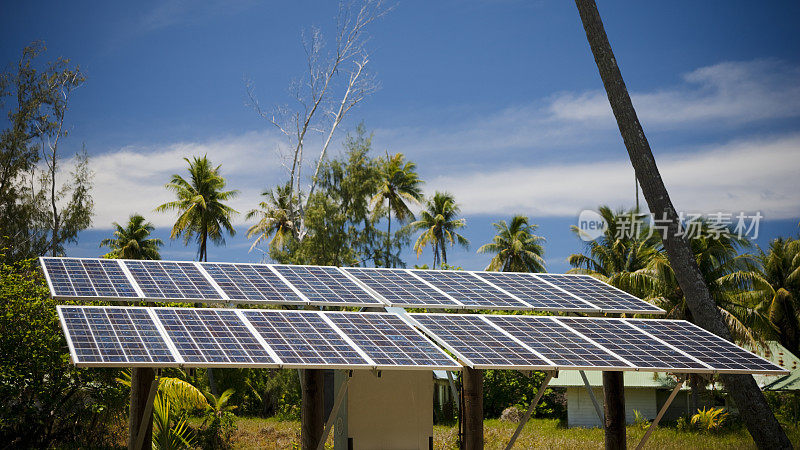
x,y
597,407
148,412
661,413
334,412
453,389
528,414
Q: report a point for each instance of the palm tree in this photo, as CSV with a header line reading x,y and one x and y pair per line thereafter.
x,y
201,211
399,184
438,222
761,422
617,257
515,247
133,241
780,292
275,218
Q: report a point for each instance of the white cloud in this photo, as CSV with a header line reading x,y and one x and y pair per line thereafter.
x,y
748,175
728,92
132,179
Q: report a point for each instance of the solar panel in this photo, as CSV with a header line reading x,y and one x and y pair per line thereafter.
x,y
390,341
606,297
208,337
535,292
469,289
556,343
77,277
171,280
326,285
400,288
478,343
720,354
251,282
303,338
633,345
117,336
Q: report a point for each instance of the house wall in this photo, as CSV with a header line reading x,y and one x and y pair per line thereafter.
x,y
394,411
581,412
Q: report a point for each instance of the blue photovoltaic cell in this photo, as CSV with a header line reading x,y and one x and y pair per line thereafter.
x,y
535,292
302,338
554,342
114,336
212,336
631,344
171,280
326,284
602,295
74,277
254,282
705,346
400,287
390,341
469,289
478,341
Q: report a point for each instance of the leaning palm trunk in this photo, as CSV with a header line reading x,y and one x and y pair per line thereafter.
x,y
761,423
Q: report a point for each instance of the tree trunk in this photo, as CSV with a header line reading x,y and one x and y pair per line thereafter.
x,y
473,408
311,409
614,405
141,380
763,426
444,253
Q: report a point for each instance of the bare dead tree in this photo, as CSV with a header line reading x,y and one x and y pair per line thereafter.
x,y
331,85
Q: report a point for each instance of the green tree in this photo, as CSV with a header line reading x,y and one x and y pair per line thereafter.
x,y
620,254
515,247
439,222
45,401
339,225
39,210
202,213
275,218
779,294
399,186
133,241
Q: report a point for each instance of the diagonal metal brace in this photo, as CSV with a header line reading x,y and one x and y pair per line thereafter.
x,y
596,404
527,416
661,413
334,412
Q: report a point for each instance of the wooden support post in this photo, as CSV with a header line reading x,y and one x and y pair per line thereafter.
x,y
312,408
614,392
473,408
141,381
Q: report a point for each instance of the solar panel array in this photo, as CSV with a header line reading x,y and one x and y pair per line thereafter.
x,y
523,342
213,337
333,286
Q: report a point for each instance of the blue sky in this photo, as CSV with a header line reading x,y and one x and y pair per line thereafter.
x,y
497,101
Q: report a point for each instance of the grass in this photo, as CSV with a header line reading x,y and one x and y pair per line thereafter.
x,y
253,433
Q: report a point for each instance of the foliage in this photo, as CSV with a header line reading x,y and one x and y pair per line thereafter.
x,y
133,240
640,420
515,247
169,432
202,213
399,185
786,406
275,218
218,421
339,225
438,223
709,419
39,212
504,388
779,294
44,400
